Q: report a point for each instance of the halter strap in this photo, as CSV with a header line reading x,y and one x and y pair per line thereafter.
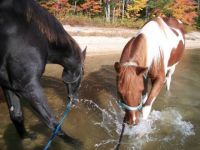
x,y
130,63
130,108
133,108
76,78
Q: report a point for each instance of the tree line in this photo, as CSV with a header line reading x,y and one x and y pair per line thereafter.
x,y
188,11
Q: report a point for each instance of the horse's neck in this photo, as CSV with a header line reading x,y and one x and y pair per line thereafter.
x,y
58,54
54,56
135,51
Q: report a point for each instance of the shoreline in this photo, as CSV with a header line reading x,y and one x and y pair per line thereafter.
x,y
104,41
101,45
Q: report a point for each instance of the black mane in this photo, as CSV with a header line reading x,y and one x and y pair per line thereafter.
x,y
53,30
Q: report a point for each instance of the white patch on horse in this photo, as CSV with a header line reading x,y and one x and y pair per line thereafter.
x,y
11,108
170,71
147,109
180,37
160,42
144,98
152,43
179,21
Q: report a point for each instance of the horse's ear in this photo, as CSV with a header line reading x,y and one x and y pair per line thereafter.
x,y
84,53
117,67
141,70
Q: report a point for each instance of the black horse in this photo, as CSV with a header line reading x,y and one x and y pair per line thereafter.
x,y
30,37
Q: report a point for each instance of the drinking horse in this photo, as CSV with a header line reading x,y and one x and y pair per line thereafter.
x,y
152,55
30,38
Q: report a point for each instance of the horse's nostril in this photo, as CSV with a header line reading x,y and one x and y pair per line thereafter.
x,y
134,124
129,121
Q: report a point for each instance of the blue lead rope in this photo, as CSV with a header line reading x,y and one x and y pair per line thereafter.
x,y
58,127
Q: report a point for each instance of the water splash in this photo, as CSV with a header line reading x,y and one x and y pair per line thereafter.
x,y
173,118
162,126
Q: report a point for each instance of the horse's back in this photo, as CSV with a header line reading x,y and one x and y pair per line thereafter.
x,y
178,29
162,39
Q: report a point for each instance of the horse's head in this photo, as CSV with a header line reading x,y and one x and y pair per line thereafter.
x,y
72,75
130,85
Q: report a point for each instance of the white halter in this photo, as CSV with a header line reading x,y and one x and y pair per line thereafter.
x,y
130,63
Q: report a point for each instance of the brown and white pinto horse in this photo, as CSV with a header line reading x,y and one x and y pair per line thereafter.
x,y
153,54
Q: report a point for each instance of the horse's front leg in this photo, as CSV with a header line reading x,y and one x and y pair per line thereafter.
x,y
145,91
157,84
16,114
34,94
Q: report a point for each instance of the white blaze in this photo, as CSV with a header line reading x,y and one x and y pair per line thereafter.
x,y
134,118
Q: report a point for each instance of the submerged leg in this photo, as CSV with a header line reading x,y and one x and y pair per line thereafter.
x,y
169,76
33,93
156,87
16,115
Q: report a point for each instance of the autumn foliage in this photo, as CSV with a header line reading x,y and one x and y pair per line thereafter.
x,y
185,10
135,7
91,7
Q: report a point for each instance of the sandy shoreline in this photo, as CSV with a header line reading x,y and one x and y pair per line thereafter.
x,y
112,40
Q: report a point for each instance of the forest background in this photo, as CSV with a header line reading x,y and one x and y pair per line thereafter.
x,y
123,13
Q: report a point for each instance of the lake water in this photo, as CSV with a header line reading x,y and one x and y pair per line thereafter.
x,y
96,121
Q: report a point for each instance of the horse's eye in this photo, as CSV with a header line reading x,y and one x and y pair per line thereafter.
x,y
77,74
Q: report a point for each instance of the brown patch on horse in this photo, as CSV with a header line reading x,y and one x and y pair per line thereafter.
x,y
172,22
156,69
174,31
176,54
127,50
135,50
160,23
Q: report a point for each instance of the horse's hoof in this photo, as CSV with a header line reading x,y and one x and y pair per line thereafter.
x,y
77,144
29,135
32,135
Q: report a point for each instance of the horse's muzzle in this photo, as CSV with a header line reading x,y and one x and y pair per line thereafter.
x,y
132,117
73,98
